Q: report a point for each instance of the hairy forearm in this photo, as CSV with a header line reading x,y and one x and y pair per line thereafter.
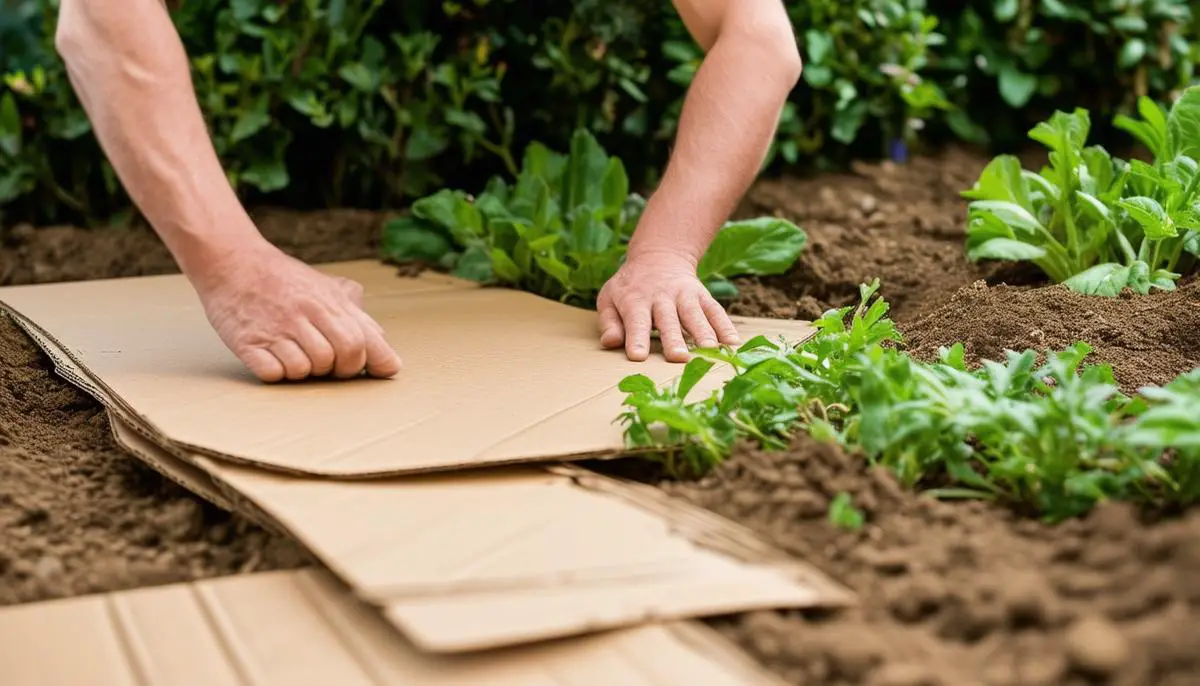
x,y
728,121
128,67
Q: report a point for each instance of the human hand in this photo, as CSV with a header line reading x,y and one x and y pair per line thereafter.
x,y
660,290
285,320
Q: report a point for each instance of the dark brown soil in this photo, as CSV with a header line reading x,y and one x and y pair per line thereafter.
x,y
951,593
958,594
1147,340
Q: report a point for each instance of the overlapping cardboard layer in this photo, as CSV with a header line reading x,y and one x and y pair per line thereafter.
x,y
492,376
301,628
459,561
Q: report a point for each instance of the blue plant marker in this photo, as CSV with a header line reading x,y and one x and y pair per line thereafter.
x,y
899,151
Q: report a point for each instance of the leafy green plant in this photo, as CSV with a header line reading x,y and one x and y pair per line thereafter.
x,y
843,514
562,229
1056,436
1097,223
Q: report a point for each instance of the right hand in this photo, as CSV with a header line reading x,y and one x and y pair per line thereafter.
x,y
285,320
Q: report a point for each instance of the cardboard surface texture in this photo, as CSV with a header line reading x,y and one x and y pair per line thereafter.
x,y
301,629
495,556
491,376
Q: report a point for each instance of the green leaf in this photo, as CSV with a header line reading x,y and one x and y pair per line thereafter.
x,y
818,44
1151,130
1005,10
1012,214
1151,216
637,383
1107,279
1131,53
439,208
424,143
504,267
818,75
474,265
1001,179
1006,249
1183,124
250,123
10,126
695,370
765,245
585,172
406,238
1094,207
267,176
616,187
1064,131
843,514
1016,87
847,122
360,76
721,289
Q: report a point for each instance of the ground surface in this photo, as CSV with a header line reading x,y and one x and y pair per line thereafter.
x,y
952,593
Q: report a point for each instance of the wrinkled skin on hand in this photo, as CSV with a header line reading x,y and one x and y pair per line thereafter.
x,y
660,290
285,320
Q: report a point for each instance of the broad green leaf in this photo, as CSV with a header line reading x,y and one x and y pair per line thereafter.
x,y
406,238
637,383
1107,279
1001,179
1011,214
1064,131
439,208
818,44
504,267
251,122
1131,53
616,187
360,76
1005,10
1006,249
693,372
586,169
1093,207
589,234
555,268
423,143
766,245
267,176
1183,124
1151,216
543,162
847,122
1016,87
721,289
474,265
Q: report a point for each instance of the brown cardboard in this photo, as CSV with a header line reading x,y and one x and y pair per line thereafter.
x,y
492,376
501,557
301,628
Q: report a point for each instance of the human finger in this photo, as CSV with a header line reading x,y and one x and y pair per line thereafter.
x,y
726,332
666,318
636,317
612,331
318,348
695,321
381,360
296,364
349,344
263,365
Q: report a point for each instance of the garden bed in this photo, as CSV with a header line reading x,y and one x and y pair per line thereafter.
x,y
951,593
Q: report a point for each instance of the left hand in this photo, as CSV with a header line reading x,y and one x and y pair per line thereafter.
x,y
660,290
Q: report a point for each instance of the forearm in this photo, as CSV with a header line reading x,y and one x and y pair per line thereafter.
x,y
729,118
127,65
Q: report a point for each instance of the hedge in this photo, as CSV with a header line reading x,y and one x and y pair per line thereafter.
x,y
371,103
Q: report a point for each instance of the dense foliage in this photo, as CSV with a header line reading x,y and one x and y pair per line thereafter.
x,y
1093,221
562,228
373,103
1055,436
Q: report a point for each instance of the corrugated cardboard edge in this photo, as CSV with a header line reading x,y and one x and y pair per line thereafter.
x,y
96,387
278,628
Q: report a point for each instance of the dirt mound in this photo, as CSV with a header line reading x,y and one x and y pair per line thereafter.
x,y
961,593
79,515
1148,340
903,224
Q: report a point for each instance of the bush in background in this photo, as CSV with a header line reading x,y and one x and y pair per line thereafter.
x,y
374,103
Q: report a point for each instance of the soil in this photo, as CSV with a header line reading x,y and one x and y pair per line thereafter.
x,y
951,593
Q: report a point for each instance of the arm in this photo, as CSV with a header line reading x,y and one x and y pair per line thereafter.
x,y
728,121
128,67
282,318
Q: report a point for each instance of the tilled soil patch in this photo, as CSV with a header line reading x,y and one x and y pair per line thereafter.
x,y
958,594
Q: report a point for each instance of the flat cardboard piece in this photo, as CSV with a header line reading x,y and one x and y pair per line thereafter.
x,y
301,629
496,558
492,376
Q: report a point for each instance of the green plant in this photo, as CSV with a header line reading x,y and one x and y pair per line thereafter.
x,y
1097,223
1056,436
843,514
562,229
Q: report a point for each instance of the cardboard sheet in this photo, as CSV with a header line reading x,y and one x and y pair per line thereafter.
x,y
301,629
492,376
502,557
